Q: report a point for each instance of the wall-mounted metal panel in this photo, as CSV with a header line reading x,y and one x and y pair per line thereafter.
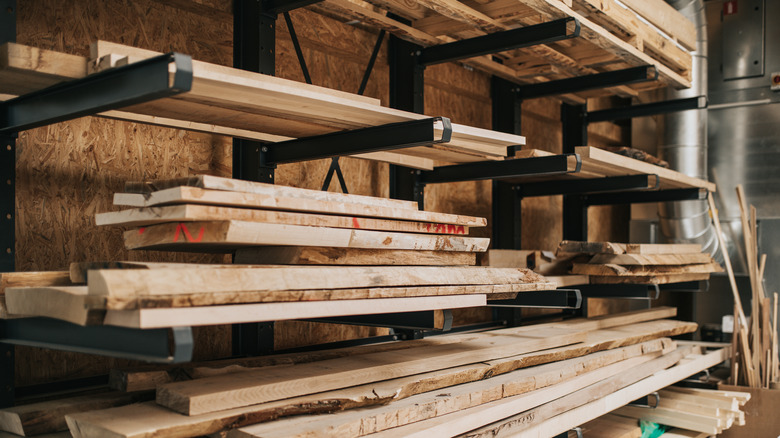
x,y
743,40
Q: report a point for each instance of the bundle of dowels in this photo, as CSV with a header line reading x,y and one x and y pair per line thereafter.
x,y
640,263
755,345
299,254
469,383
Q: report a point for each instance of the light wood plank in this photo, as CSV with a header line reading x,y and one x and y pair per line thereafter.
x,y
563,422
49,416
640,270
676,418
670,248
195,213
313,255
633,166
651,259
192,195
227,236
236,185
65,302
34,278
667,18
251,387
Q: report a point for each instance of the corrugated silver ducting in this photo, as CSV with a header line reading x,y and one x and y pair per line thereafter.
x,y
684,145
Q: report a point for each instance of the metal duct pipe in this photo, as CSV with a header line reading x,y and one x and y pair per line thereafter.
x,y
684,145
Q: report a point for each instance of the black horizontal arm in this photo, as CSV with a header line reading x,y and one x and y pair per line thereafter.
x,y
504,169
360,141
546,299
589,185
281,6
500,41
116,88
589,82
648,109
645,197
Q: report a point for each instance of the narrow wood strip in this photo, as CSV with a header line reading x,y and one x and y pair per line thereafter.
x,y
639,270
651,259
64,302
252,387
671,248
192,213
23,279
644,327
649,279
676,418
573,246
117,282
226,236
237,185
193,195
313,255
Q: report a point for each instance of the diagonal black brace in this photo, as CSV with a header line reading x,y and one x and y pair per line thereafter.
x,y
589,82
155,345
376,138
544,299
280,6
297,46
500,41
135,83
645,197
589,185
371,61
554,164
648,109
334,168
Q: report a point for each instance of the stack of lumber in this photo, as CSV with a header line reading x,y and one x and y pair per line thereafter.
x,y
362,255
614,35
703,411
756,361
639,263
247,105
440,386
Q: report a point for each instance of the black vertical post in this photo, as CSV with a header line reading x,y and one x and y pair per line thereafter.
x,y
7,211
575,133
406,93
506,197
254,49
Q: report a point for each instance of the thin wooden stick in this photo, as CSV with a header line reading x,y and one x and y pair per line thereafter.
x,y
747,232
741,320
775,359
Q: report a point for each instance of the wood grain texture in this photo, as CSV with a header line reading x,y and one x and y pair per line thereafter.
x,y
252,387
124,422
49,416
67,303
134,283
312,255
651,259
629,271
649,279
193,195
23,279
226,236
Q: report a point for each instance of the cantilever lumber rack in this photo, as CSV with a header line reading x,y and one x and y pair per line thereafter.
x,y
576,173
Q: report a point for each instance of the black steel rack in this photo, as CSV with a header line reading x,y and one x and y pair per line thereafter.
x,y
254,40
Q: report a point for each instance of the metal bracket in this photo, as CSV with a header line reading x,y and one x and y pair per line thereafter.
x,y
644,402
157,345
546,299
589,82
589,185
554,164
297,46
624,291
635,197
543,33
135,83
280,6
423,320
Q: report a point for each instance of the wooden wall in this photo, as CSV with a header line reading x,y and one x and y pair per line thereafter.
x,y
67,172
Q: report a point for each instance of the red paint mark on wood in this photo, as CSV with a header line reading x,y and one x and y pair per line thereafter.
x,y
141,230
355,223
181,227
451,229
461,230
178,231
428,227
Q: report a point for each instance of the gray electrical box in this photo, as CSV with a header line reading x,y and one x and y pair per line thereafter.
x,y
743,38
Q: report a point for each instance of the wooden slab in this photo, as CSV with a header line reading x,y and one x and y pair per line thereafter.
x,y
671,248
649,279
673,417
192,213
49,416
193,195
645,327
133,283
237,185
561,423
430,405
65,302
567,280
640,270
651,259
226,236
23,279
252,387
313,255
141,420
574,246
